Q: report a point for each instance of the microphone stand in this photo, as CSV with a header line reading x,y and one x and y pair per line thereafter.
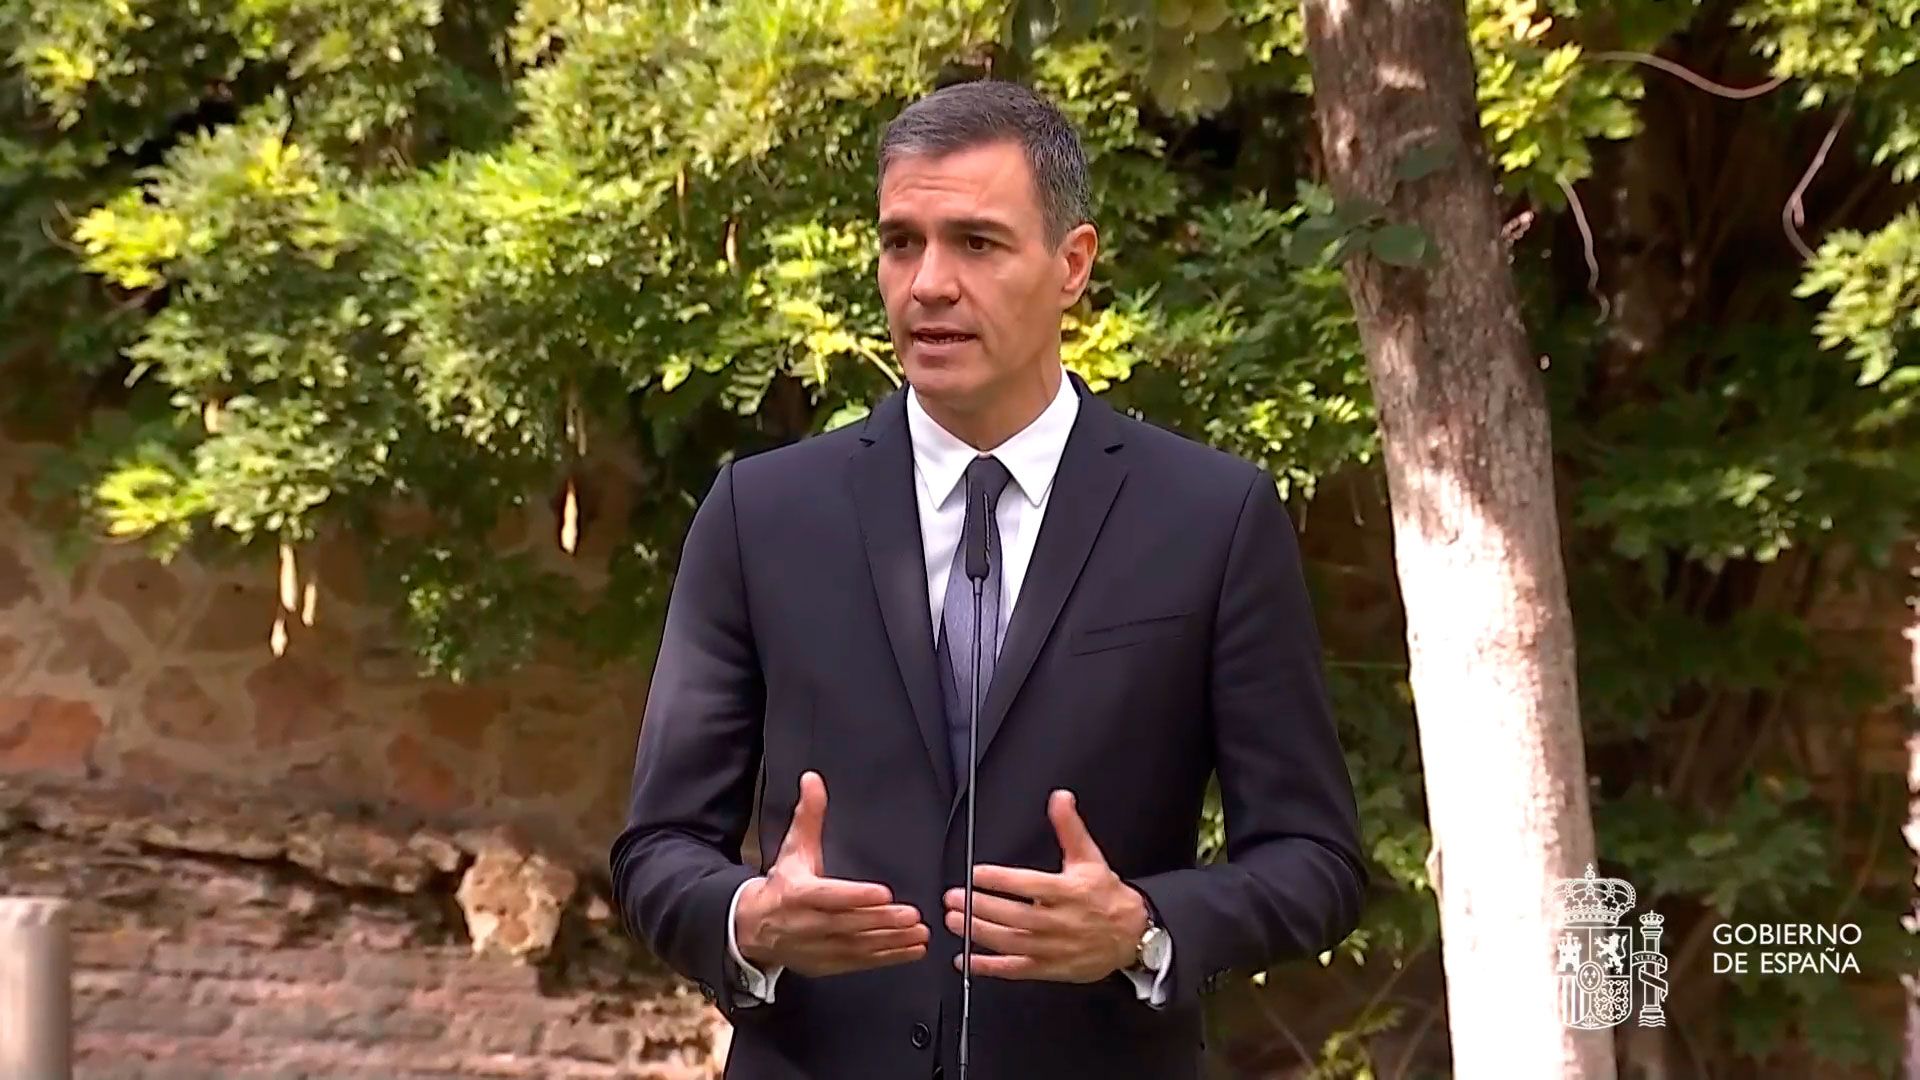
x,y
977,570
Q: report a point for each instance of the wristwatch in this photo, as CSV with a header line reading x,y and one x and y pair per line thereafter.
x,y
1155,943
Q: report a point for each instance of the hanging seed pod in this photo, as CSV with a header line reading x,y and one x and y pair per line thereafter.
x,y
279,639
308,603
570,520
289,578
210,416
733,246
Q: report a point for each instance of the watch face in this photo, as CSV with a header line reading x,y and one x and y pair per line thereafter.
x,y
1153,948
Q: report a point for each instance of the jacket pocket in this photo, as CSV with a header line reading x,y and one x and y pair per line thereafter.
x,y
1130,632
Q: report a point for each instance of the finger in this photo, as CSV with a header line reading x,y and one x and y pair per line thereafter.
x,y
1020,881
839,894
1004,967
889,957
1006,940
880,917
889,940
1015,913
1076,843
804,839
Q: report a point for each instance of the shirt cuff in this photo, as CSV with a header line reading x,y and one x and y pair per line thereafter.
x,y
1150,984
750,980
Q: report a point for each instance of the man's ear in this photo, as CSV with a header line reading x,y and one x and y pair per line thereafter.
x,y
1079,248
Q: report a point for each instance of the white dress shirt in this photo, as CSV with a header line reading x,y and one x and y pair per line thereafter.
x,y
940,460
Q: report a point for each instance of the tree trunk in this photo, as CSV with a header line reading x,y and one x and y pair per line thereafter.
x,y
1464,421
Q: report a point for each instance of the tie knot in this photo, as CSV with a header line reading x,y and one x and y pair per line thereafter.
x,y
987,475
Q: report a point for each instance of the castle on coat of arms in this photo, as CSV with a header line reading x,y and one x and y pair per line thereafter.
x,y
1600,972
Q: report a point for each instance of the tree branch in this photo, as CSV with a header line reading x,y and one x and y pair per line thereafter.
x,y
1700,81
1794,213
1586,245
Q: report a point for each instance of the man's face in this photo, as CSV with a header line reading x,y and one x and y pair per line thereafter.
x,y
974,292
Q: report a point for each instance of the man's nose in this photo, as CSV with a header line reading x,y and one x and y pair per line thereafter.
x,y
934,280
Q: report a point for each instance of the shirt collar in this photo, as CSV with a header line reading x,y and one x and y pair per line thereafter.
x,y
1031,455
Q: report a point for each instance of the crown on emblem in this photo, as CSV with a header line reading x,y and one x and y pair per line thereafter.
x,y
1653,919
1594,900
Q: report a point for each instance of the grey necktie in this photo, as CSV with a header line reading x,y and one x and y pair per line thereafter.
x,y
986,479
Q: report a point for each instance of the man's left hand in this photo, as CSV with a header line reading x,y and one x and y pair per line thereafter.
x,y
1079,925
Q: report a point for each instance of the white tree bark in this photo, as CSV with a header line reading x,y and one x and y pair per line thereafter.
x,y
1464,420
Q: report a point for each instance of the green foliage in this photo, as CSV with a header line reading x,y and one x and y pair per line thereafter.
x,y
1860,52
1777,446
1875,310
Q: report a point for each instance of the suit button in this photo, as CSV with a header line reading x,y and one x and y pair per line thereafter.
x,y
922,1035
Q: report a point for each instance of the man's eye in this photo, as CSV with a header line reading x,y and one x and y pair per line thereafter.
x,y
979,243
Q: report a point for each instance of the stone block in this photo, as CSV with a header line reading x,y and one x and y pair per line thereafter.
x,y
513,899
301,1018
83,648
237,617
584,1040
461,715
42,732
419,780
176,706
373,1018
294,700
552,763
161,1007
408,971
492,976
16,584
118,950
356,854
494,1031
235,962
438,849
149,593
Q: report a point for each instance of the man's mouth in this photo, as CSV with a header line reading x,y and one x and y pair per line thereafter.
x,y
940,337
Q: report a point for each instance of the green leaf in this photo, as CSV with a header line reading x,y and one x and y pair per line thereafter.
x,y
1424,160
1359,212
847,414
1400,244
1311,238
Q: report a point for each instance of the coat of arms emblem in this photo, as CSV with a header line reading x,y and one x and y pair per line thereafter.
x,y
1599,971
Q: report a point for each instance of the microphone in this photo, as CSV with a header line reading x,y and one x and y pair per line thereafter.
x,y
974,537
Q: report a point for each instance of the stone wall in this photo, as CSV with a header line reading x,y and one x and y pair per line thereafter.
x,y
217,936
124,667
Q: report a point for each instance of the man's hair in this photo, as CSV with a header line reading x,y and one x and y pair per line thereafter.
x,y
970,114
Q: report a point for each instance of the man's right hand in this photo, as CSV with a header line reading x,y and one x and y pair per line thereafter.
x,y
796,917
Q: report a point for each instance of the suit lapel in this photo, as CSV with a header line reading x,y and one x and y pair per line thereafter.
x,y
1084,487
880,471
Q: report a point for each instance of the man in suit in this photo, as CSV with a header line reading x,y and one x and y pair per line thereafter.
x,y
1144,626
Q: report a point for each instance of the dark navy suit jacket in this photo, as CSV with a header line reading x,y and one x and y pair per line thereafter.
x,y
1163,634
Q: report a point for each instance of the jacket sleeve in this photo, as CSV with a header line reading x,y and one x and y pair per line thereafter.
x,y
676,865
1293,877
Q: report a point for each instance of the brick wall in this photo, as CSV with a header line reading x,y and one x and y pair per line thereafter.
x,y
215,939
